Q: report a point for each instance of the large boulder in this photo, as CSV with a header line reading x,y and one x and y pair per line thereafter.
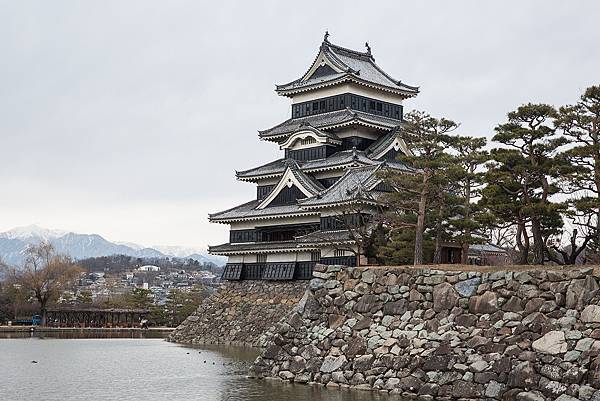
x,y
363,363
297,364
552,343
463,389
468,288
395,308
485,303
594,374
357,345
444,297
580,292
333,363
437,362
523,376
367,303
591,314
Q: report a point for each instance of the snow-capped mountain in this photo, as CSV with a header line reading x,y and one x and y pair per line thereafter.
x,y
32,231
14,242
177,251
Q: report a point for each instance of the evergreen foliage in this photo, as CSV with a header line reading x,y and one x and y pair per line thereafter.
x,y
536,191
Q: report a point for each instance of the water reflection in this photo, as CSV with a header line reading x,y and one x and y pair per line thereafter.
x,y
142,369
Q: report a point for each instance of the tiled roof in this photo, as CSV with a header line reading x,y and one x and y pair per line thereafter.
x,y
306,180
355,184
382,142
486,248
248,211
350,65
274,246
319,237
275,167
342,158
332,119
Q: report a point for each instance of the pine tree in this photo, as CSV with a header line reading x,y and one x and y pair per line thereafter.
x,y
580,175
411,201
466,174
520,174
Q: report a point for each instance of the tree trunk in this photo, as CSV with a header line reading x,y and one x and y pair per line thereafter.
x,y
437,256
420,228
43,320
522,246
464,256
43,303
538,241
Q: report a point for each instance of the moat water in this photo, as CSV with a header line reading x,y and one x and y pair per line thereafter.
x,y
148,369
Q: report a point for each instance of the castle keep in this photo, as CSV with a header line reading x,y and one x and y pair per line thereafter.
x,y
345,123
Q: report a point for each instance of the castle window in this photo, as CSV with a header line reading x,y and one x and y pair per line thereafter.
x,y
315,256
338,253
261,258
308,141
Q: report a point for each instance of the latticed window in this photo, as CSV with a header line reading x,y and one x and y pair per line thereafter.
x,y
338,253
261,258
315,256
308,140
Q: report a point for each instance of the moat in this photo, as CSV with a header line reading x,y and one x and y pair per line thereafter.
x,y
141,369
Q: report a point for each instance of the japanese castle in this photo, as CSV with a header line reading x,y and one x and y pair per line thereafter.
x,y
344,127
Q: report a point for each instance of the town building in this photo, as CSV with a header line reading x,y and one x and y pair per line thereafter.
x,y
344,128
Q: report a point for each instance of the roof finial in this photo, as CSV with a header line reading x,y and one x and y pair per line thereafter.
x,y
326,37
368,48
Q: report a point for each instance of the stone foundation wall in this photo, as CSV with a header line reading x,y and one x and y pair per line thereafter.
x,y
511,335
240,313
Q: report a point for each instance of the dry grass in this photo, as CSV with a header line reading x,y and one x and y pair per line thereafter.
x,y
490,269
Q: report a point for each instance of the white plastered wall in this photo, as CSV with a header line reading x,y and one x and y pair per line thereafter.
x,y
348,87
288,257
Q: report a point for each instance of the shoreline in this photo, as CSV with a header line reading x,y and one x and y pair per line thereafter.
x,y
38,329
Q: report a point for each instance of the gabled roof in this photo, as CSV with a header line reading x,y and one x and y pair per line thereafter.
x,y
335,64
356,185
338,160
248,211
308,182
324,121
307,130
293,176
392,140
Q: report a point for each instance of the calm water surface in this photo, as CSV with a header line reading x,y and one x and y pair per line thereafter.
x,y
141,369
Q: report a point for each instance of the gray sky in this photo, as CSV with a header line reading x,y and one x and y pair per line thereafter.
x,y
128,118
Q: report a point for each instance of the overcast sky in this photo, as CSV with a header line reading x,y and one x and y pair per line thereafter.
x,y
129,118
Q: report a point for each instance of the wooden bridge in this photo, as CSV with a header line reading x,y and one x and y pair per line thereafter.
x,y
94,317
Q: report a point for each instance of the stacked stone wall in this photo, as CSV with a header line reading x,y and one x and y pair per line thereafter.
x,y
240,313
438,334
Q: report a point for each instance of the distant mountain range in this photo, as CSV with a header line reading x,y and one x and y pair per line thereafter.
x,y
79,246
